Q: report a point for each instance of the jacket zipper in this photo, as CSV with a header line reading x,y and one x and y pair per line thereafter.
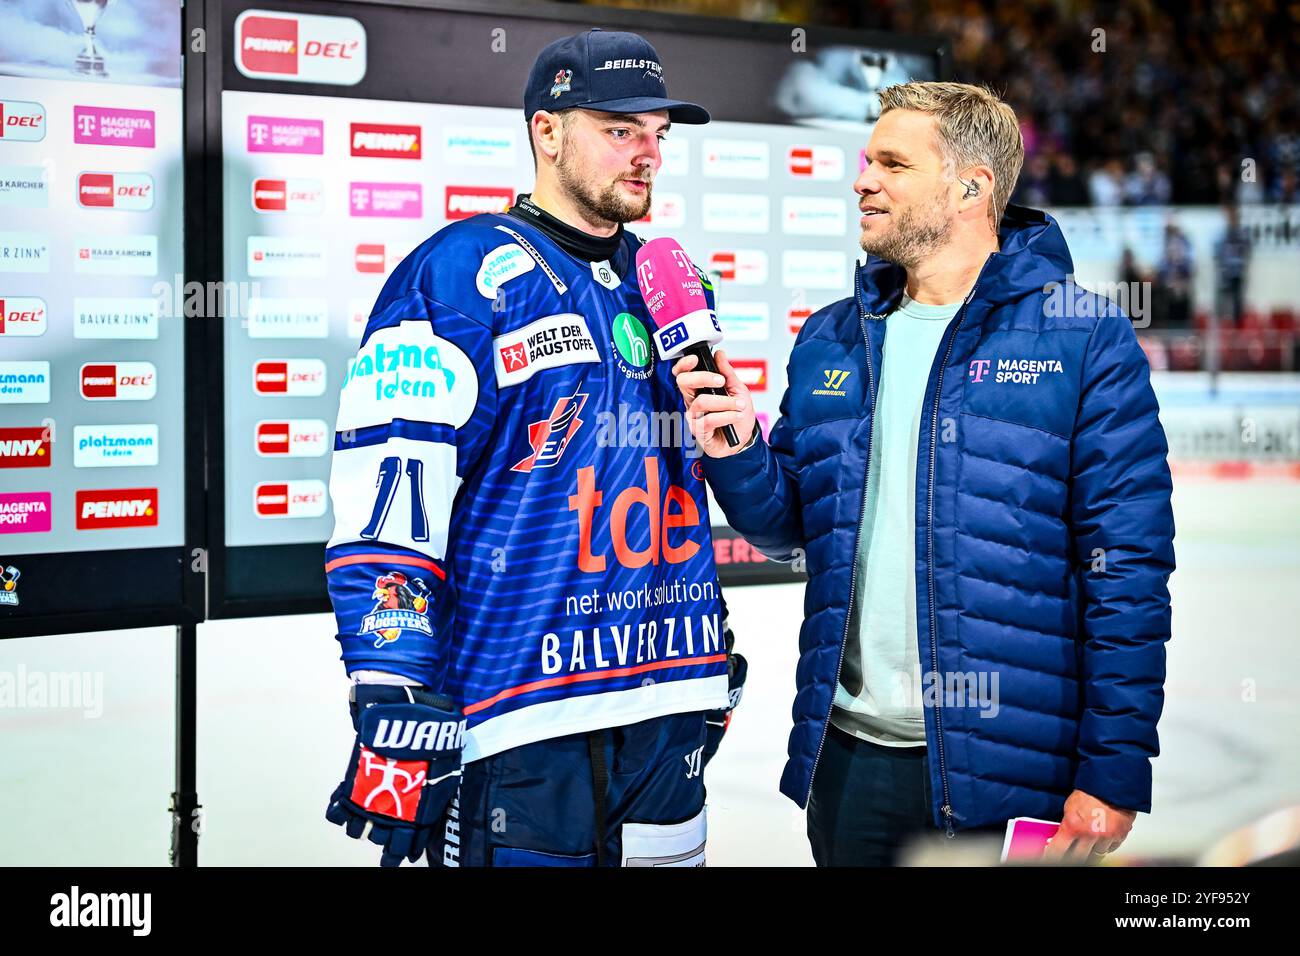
x,y
946,809
853,570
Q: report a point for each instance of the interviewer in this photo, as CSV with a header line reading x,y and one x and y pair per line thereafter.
x,y
970,461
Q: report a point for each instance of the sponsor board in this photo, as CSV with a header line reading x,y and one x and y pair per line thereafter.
x,y
119,317
736,159
26,447
813,216
21,121
676,155
796,317
300,498
741,266
283,134
814,269
465,201
118,381
24,187
667,211
285,256
117,508
121,255
736,212
816,162
113,126
479,146
395,200
745,321
358,317
25,512
22,316
24,252
292,378
300,48
291,438
114,446
384,141
293,196
24,383
288,318
128,191
752,372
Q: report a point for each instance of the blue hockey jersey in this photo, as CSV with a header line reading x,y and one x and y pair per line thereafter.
x,y
519,521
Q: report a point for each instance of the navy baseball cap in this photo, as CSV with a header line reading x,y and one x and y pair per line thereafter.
x,y
607,71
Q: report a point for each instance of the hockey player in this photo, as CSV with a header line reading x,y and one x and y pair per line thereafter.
x,y
526,599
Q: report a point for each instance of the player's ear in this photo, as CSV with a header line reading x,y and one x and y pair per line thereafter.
x,y
548,133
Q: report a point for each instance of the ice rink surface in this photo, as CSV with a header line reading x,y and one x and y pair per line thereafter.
x,y
78,789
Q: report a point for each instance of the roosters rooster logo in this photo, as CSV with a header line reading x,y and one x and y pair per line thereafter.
x,y
400,603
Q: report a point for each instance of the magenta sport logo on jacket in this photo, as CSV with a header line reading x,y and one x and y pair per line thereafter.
x,y
1044,532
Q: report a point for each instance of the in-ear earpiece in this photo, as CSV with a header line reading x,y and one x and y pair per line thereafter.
x,y
972,188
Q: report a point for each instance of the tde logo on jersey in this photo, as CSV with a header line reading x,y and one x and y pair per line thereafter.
x,y
117,508
291,438
752,372
301,196
670,520
466,201
303,498
119,381
21,121
26,447
301,48
385,141
549,437
22,315
291,377
131,191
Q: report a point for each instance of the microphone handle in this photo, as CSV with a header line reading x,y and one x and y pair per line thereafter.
x,y
704,357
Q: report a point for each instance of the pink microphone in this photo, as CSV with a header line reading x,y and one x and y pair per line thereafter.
x,y
674,295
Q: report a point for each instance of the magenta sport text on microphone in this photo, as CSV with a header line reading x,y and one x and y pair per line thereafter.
x,y
674,294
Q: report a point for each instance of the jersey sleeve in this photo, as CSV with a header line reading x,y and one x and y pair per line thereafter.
x,y
415,411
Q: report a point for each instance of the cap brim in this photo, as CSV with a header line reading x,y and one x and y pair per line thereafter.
x,y
678,111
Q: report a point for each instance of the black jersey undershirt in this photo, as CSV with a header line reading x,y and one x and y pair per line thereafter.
x,y
577,243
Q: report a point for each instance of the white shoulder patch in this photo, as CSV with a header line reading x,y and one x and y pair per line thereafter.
x,y
406,371
500,266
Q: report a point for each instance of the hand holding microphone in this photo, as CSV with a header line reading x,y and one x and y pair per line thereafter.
x,y
715,397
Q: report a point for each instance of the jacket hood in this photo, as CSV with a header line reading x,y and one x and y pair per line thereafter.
x,y
1033,253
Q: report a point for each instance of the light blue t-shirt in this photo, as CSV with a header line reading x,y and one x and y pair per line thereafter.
x,y
879,694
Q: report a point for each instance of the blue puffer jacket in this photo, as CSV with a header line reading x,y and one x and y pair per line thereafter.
x,y
1044,533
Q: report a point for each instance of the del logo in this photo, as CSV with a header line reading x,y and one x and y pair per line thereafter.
x,y
131,191
401,603
21,121
9,576
294,377
466,201
833,383
292,438
304,498
117,508
817,162
369,258
668,521
797,317
753,372
384,141
549,437
288,195
25,447
123,381
22,315
1013,371
302,48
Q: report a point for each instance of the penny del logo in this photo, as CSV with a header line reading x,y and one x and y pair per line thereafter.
x,y
1015,371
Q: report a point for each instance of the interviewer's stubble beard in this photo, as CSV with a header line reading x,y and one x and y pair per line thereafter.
x,y
608,203
912,236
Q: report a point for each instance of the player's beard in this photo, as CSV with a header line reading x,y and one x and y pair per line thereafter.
x,y
913,235
606,203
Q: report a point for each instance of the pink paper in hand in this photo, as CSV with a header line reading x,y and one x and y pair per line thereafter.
x,y
1027,839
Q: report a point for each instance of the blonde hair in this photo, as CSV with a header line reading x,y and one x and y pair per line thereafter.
x,y
975,128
